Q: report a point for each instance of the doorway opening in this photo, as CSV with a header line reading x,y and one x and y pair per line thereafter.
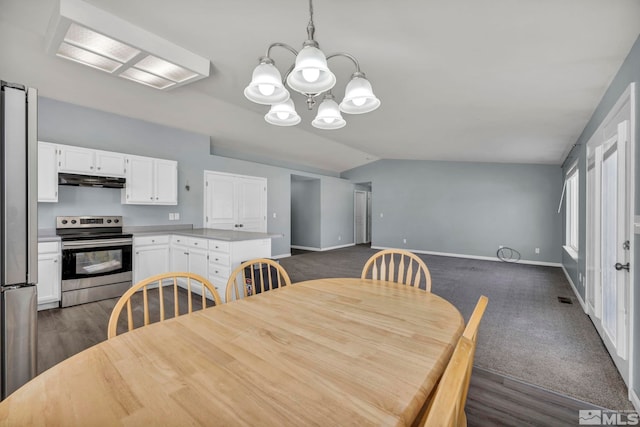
x,y
362,213
305,214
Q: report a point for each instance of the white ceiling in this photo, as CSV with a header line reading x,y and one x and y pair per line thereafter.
x,y
470,80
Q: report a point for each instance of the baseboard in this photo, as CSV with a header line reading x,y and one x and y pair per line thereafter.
x,y
483,258
575,290
280,256
633,397
48,305
330,248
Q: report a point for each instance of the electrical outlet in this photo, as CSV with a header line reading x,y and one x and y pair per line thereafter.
x,y
500,246
172,217
404,241
274,214
537,250
339,237
381,215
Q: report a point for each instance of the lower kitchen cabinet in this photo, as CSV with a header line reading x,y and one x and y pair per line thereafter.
x,y
189,254
49,275
151,256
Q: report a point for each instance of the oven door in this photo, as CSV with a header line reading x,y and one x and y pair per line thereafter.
x,y
83,259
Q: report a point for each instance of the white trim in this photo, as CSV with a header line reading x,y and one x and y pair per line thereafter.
x,y
308,248
48,305
484,258
571,251
633,397
280,256
575,290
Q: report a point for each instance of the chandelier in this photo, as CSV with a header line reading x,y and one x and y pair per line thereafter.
x,y
311,77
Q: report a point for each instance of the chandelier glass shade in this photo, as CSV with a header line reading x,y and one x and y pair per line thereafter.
x,y
309,76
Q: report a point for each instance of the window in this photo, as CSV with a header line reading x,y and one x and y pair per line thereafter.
x,y
571,209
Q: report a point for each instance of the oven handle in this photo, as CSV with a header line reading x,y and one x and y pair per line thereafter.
x,y
88,244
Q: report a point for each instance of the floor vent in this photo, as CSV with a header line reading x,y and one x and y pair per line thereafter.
x,y
565,300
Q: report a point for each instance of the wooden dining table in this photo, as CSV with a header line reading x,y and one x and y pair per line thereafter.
x,y
337,351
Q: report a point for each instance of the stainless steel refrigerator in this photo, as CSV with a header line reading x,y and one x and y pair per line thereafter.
x,y
18,235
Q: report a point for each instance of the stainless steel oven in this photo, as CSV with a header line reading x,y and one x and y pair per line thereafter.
x,y
96,258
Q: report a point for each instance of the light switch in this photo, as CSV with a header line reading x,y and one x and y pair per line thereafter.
x,y
176,216
171,217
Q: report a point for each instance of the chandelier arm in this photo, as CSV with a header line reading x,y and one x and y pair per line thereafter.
x,y
346,55
278,44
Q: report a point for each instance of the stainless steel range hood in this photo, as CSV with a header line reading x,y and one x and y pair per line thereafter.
x,y
90,181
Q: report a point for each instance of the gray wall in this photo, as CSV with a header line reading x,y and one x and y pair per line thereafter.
x,y
305,213
66,123
464,208
337,213
629,72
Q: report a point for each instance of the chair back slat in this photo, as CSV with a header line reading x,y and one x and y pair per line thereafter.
x,y
376,268
262,283
471,330
147,289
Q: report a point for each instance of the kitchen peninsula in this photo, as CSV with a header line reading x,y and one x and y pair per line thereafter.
x,y
211,253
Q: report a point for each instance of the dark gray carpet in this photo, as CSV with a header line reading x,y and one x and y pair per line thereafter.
x,y
526,332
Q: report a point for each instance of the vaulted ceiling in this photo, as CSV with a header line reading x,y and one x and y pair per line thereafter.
x,y
472,80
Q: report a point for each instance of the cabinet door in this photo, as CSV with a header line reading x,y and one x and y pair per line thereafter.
x,y
150,260
139,187
47,172
179,258
48,278
198,264
109,163
76,160
166,182
252,204
220,202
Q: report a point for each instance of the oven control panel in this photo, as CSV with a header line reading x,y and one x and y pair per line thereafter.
x,y
88,221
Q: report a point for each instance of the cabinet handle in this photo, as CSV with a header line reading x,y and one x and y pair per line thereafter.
x,y
55,260
186,253
151,198
195,243
90,167
156,197
99,168
241,225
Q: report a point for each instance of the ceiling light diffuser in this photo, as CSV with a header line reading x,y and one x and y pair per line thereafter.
x,y
83,33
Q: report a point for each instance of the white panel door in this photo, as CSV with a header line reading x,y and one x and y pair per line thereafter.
x,y
252,204
360,217
220,201
166,182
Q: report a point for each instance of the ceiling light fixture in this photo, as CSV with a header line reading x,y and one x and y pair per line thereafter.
x,y
310,76
90,36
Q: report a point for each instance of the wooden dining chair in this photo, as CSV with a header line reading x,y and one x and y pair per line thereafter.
x,y
256,276
412,271
447,406
469,334
147,290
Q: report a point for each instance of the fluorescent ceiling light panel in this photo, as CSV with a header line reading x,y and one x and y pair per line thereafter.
x,y
102,45
146,78
166,69
85,57
86,34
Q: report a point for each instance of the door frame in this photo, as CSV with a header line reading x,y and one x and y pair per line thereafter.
x,y
600,137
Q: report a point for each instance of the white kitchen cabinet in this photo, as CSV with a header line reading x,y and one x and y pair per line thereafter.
x,y
151,256
150,181
109,163
47,172
86,161
189,254
49,275
235,202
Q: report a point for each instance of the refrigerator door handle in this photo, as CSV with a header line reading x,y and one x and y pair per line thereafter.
x,y
32,185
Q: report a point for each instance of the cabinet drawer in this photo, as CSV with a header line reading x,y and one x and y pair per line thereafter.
x,y
221,272
219,258
194,242
151,240
48,247
219,246
220,283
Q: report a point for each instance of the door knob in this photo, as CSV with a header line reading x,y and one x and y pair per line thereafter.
x,y
622,266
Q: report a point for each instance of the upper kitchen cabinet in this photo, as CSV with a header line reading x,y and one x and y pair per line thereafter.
x,y
150,181
47,172
86,161
235,202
